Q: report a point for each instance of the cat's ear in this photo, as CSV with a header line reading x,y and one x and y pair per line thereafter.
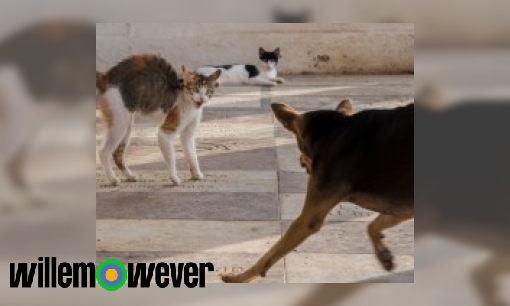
x,y
186,74
261,51
277,53
214,77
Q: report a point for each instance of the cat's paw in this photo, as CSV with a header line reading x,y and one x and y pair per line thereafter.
x,y
280,81
131,177
115,181
197,176
175,179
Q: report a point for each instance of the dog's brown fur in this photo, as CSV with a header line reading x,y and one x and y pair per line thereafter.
x,y
366,158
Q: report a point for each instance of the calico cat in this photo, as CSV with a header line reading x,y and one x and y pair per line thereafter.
x,y
249,74
147,84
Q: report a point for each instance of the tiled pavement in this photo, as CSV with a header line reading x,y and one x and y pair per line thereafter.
x,y
254,187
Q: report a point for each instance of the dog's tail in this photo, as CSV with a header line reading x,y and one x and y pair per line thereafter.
x,y
101,82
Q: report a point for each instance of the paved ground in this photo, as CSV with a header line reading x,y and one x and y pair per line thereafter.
x,y
254,187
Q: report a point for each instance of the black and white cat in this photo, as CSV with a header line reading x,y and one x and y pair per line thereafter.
x,y
249,74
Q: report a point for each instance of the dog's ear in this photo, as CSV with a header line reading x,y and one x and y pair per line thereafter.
x,y
286,115
431,97
345,107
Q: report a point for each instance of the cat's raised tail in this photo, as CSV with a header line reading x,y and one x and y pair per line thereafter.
x,y
101,82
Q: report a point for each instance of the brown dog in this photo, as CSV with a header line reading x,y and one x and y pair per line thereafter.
x,y
366,158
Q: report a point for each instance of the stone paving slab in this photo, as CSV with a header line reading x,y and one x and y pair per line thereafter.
x,y
358,80
214,181
339,90
188,206
292,204
211,130
288,154
352,238
215,114
293,182
214,154
253,237
233,90
345,268
223,263
235,102
284,137
237,115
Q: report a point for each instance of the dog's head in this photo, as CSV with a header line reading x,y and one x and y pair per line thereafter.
x,y
298,122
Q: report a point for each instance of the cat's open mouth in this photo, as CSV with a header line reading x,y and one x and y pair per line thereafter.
x,y
199,104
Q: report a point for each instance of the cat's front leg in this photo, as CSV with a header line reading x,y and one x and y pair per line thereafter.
x,y
166,141
278,80
262,81
188,143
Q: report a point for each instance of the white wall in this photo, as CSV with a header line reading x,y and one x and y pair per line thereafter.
x,y
306,48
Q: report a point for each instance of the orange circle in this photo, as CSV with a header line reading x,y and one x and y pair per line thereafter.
x,y
111,275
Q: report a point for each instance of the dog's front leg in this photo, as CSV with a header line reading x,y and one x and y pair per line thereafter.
x,y
316,208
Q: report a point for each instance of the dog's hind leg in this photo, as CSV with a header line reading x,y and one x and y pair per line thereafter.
x,y
375,228
485,278
316,208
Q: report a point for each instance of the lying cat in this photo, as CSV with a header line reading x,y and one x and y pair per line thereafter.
x,y
147,84
249,74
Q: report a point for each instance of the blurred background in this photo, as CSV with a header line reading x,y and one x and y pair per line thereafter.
x,y
46,145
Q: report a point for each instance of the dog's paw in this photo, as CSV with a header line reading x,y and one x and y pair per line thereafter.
x,y
229,278
386,259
